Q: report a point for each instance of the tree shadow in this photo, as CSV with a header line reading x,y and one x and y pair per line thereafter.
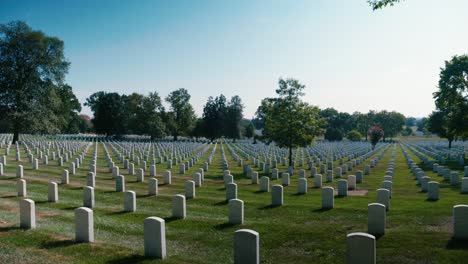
x,y
128,259
271,206
119,212
171,219
321,210
9,228
58,244
224,226
454,243
221,203
298,194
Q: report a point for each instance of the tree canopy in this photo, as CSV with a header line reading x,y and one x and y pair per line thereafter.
x,y
181,117
289,122
32,71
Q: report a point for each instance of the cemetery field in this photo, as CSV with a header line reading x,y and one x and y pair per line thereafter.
x,y
299,231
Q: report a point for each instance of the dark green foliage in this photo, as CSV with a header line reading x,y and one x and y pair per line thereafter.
x,y
234,114
391,122
333,134
181,118
289,122
379,4
214,114
452,100
249,130
32,69
410,121
354,135
421,124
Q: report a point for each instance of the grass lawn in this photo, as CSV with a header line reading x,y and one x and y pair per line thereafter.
x,y
418,231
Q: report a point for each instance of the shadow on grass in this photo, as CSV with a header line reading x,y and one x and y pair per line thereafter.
x,y
119,213
70,208
41,202
259,191
321,210
221,203
58,244
128,259
221,189
271,206
431,201
144,195
454,243
340,196
8,196
298,194
224,226
9,228
171,219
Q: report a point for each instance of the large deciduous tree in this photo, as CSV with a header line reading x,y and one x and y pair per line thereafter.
x,y
451,100
214,115
289,121
234,114
111,113
181,117
32,66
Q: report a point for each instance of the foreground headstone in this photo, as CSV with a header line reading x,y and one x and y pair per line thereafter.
x,y
88,197
433,191
328,197
52,192
27,214
178,206
130,201
91,179
120,183
285,179
464,187
460,222
153,186
65,177
21,188
376,219
277,195
361,248
302,186
231,191
154,229
19,171
189,189
342,187
236,212
246,247
264,184
84,225
383,197
167,177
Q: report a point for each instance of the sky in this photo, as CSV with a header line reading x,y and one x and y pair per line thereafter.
x,y
349,57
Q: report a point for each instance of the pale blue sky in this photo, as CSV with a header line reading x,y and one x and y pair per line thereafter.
x,y
349,57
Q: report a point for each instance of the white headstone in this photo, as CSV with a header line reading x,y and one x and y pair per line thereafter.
x,y
84,225
155,237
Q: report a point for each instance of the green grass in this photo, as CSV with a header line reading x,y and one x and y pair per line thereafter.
x,y
418,231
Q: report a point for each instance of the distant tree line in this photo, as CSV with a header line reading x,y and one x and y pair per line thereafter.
x,y
34,98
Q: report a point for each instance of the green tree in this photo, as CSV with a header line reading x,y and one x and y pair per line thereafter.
x,y
32,65
289,121
451,100
391,122
410,121
439,124
354,135
214,115
421,124
146,115
249,130
111,114
234,114
379,4
181,116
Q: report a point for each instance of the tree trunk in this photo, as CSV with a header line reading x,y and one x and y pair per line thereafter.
x,y
290,156
15,136
175,137
450,143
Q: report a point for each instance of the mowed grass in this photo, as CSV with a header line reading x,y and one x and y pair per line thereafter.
x,y
418,231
